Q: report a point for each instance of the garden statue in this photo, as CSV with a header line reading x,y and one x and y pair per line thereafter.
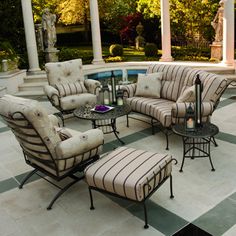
x,y
49,35
217,23
139,40
49,30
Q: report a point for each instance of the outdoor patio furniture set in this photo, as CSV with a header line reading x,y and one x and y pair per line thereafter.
x,y
59,152
168,93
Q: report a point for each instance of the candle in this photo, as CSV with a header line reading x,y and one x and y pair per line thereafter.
x,y
120,101
106,101
190,123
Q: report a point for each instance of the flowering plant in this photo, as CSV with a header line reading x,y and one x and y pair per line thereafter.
x,y
101,108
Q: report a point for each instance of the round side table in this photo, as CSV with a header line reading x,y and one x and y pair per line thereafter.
x,y
196,143
105,121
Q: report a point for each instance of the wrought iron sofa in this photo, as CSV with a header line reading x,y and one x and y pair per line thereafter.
x,y
68,89
56,152
176,85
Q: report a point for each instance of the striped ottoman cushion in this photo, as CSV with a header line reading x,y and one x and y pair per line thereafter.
x,y
129,173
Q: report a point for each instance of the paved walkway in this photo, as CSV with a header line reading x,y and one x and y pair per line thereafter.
x,y
204,198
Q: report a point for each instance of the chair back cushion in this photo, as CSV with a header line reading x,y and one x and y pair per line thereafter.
x,y
67,89
172,80
64,72
32,127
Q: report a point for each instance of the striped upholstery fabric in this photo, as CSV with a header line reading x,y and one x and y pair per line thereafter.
x,y
172,80
67,89
160,109
178,111
176,82
129,173
129,90
213,84
40,140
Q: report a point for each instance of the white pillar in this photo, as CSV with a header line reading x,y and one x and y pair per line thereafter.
x,y
30,36
228,32
165,31
96,34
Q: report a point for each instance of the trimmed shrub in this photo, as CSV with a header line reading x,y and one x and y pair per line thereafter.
x,y
66,54
114,59
150,50
116,50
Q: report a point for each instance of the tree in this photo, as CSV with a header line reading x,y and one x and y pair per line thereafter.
x,y
111,12
149,8
39,5
72,11
11,24
187,19
190,20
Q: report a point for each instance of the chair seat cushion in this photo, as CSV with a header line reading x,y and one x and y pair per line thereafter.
x,y
129,173
160,109
74,101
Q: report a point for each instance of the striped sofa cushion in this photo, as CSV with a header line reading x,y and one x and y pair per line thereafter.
x,y
129,173
160,109
172,80
213,84
68,89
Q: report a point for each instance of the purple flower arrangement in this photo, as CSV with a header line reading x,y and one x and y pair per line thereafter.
x,y
101,108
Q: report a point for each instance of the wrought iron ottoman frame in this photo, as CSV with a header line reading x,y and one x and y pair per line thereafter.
x,y
146,196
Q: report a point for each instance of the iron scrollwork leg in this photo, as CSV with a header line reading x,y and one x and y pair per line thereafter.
x,y
113,125
145,216
62,191
91,199
184,153
171,187
209,154
26,178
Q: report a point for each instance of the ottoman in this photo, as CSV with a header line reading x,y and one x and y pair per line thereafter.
x,y
130,174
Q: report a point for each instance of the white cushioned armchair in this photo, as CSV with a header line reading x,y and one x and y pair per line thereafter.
x,y
68,89
56,152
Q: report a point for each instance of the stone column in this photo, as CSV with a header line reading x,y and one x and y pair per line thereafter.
x,y
96,34
228,33
30,36
165,31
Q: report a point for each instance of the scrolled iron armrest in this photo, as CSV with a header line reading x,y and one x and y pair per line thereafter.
x,y
52,94
175,161
80,143
92,85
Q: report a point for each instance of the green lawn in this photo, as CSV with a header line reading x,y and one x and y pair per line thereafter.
x,y
131,54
